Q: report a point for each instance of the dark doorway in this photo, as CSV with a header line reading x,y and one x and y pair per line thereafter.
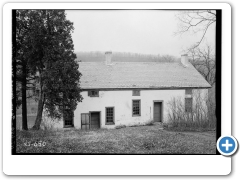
x,y
157,111
68,118
94,120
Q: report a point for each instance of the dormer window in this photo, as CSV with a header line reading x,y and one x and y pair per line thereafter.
x,y
188,92
93,93
136,93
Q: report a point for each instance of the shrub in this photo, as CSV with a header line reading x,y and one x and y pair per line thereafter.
x,y
120,126
49,123
202,116
135,125
149,123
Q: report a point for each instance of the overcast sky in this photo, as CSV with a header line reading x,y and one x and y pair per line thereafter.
x,y
137,31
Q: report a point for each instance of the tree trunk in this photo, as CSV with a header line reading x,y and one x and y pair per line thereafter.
x,y
39,112
41,100
24,98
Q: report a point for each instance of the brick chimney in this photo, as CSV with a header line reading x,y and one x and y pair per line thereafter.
x,y
184,60
108,57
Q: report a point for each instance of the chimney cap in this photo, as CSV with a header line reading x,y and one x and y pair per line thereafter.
x,y
108,52
184,60
108,57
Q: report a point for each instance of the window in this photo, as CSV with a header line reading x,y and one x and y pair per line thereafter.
x,y
109,115
188,92
136,93
188,104
93,93
136,108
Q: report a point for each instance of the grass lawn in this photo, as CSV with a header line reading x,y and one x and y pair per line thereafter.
x,y
129,140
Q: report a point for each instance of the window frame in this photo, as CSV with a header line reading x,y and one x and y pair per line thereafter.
x,y
139,107
90,93
110,123
136,90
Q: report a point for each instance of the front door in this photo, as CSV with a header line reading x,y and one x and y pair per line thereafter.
x,y
157,112
95,120
85,121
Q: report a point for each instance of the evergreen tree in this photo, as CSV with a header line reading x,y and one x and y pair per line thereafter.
x,y
51,59
23,74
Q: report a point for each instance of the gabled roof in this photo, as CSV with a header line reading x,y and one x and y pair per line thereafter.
x,y
123,75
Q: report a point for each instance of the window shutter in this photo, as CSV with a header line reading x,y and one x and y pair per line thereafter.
x,y
188,104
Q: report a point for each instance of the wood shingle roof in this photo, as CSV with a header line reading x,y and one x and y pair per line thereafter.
x,y
124,75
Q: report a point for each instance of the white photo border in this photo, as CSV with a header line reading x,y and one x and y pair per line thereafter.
x,y
120,164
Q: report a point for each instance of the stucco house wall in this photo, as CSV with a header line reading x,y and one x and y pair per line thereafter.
x,y
121,100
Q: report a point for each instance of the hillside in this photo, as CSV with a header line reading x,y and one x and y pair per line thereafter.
x,y
98,56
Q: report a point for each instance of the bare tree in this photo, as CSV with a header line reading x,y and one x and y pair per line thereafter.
x,y
203,59
200,116
195,21
168,58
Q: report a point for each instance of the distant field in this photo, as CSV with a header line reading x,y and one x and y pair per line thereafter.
x,y
123,57
30,119
31,107
31,113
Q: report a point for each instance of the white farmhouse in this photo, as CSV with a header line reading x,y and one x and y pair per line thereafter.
x,y
128,93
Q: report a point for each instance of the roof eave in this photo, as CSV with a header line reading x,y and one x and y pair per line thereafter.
x,y
152,88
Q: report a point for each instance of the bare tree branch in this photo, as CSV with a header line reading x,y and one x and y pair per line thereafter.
x,y
204,61
195,21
